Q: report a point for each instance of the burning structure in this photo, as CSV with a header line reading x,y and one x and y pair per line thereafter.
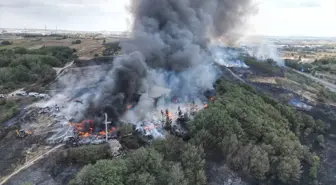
x,y
167,68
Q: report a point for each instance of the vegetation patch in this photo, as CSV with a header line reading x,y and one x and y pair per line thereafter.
x,y
20,67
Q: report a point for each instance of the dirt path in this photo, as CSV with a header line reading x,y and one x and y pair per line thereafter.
x,y
29,163
60,69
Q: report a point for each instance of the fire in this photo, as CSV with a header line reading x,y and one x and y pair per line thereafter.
x,y
86,134
206,105
212,99
82,131
112,129
102,133
129,106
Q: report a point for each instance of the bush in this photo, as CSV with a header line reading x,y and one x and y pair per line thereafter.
x,y
87,154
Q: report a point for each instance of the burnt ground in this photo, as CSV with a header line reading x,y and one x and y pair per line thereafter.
x,y
47,171
13,149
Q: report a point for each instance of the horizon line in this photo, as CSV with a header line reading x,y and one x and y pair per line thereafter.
x,y
126,31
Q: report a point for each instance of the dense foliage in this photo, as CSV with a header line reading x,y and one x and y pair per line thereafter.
x,y
326,65
257,136
19,66
170,161
262,139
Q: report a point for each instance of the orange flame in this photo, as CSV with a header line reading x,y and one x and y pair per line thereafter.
x,y
129,106
206,105
102,133
86,134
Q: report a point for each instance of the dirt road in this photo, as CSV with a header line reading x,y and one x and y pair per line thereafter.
x,y
330,86
29,163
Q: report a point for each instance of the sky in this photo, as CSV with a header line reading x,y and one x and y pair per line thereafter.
x,y
274,17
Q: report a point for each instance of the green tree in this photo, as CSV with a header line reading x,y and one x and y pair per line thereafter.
x,y
193,164
289,170
315,165
104,172
259,163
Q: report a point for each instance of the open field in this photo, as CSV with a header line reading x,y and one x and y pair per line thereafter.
x,y
86,49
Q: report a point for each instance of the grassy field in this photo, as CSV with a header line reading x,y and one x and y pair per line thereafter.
x,y
87,49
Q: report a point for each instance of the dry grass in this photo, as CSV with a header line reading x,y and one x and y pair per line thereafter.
x,y
269,80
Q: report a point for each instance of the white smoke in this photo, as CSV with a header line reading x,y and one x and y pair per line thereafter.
x,y
266,50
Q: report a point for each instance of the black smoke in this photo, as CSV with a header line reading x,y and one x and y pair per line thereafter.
x,y
170,38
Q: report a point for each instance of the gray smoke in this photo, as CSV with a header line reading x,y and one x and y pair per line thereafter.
x,y
169,46
174,34
168,52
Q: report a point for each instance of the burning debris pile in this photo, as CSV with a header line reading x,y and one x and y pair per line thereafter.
x,y
87,128
87,132
167,58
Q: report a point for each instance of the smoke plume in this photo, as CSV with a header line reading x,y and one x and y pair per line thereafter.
x,y
168,53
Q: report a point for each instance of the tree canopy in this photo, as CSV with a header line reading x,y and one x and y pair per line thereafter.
x,y
20,66
256,135
168,161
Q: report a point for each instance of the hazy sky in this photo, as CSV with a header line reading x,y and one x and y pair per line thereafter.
x,y
275,17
